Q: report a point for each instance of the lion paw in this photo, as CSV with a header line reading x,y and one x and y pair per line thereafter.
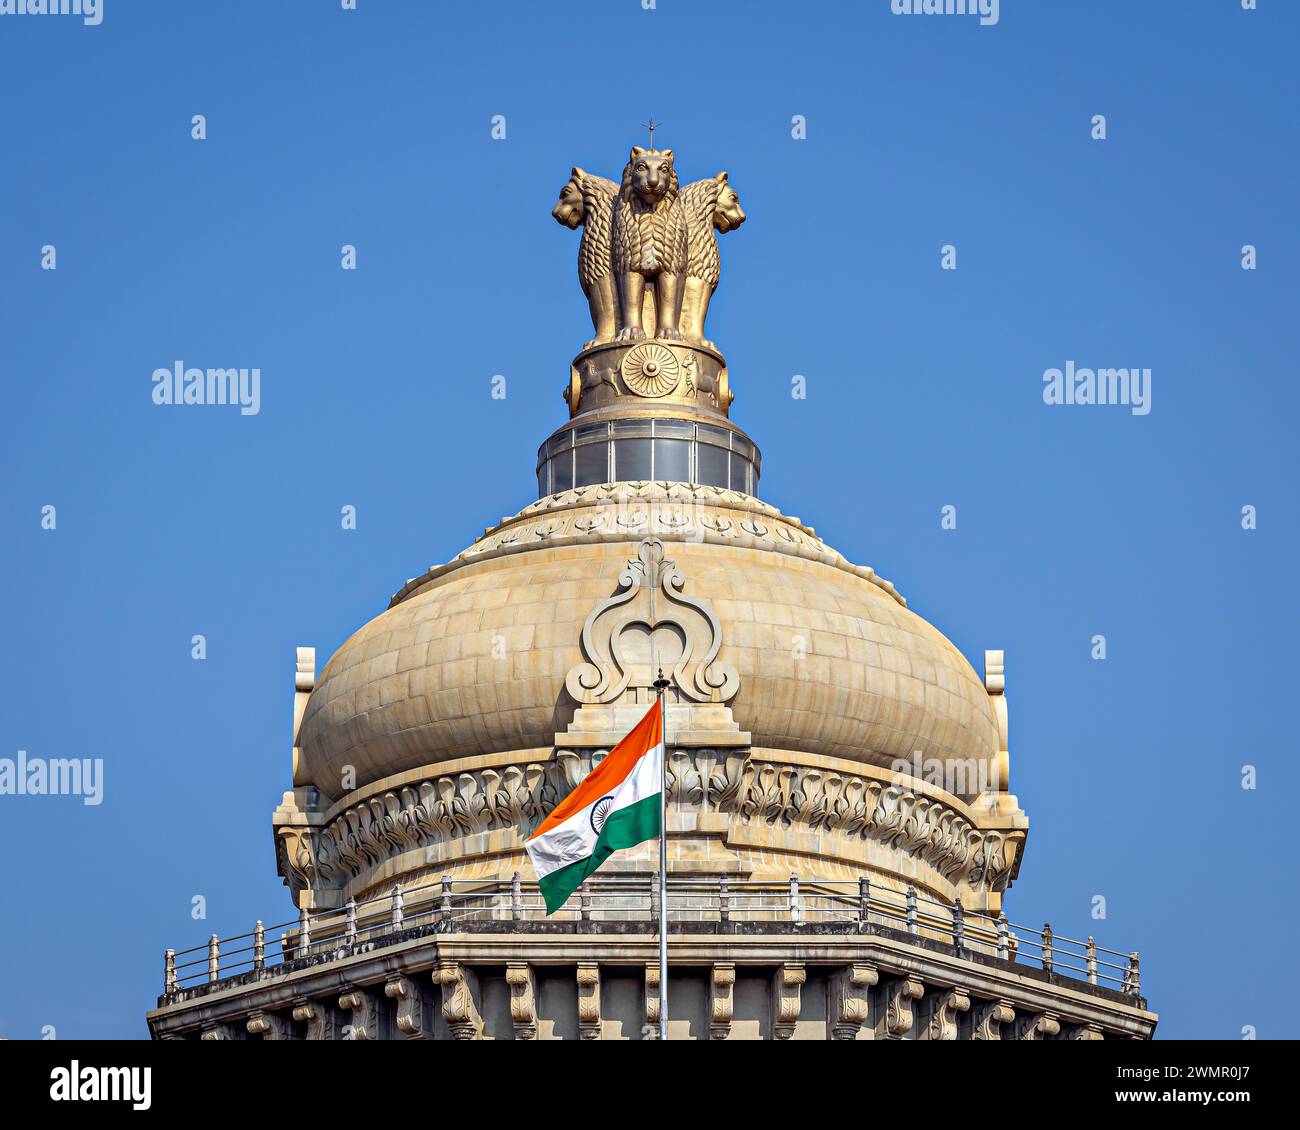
x,y
670,335
631,333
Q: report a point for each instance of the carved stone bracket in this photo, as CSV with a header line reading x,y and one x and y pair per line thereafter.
x,y
651,1029
787,993
1086,1032
899,1016
590,1025
269,1026
989,1018
321,1020
410,1007
220,1031
942,1024
363,1023
523,999
458,1007
1043,1026
722,983
851,1002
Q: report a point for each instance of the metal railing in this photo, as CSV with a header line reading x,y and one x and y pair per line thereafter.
x,y
448,904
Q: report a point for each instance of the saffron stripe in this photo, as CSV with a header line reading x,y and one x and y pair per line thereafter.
x,y
611,772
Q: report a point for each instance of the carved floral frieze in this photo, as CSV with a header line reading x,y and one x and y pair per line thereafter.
x,y
756,798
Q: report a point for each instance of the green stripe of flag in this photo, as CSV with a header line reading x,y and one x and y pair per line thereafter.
x,y
623,829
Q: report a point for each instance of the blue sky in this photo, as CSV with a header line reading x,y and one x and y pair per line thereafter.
x,y
372,128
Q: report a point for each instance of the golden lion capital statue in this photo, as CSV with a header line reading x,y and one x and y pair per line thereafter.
x,y
648,260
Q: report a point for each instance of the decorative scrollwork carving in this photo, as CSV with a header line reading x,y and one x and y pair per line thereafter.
x,y
651,622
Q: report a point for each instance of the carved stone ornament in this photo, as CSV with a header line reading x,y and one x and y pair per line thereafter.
x,y
651,623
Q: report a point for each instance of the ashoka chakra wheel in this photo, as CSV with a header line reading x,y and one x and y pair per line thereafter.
x,y
651,370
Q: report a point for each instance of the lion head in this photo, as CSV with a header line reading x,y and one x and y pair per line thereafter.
x,y
728,214
568,209
650,175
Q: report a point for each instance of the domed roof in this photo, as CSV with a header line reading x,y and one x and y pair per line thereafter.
x,y
470,659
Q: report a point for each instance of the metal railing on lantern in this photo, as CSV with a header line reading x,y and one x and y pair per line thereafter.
x,y
714,904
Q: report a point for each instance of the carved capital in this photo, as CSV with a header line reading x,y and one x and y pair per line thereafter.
x,y
787,992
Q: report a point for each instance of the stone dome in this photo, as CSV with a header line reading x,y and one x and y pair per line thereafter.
x,y
814,722
470,660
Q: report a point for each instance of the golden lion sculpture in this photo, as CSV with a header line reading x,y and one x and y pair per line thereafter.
x,y
648,260
587,201
712,206
649,243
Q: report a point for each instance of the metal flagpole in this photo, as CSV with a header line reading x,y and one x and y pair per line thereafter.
x,y
660,685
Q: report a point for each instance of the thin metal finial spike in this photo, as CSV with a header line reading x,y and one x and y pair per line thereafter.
x,y
652,125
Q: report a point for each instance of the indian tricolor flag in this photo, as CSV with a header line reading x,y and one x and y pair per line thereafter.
x,y
616,806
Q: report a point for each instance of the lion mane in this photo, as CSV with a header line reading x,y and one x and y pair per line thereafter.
x,y
649,238
595,251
